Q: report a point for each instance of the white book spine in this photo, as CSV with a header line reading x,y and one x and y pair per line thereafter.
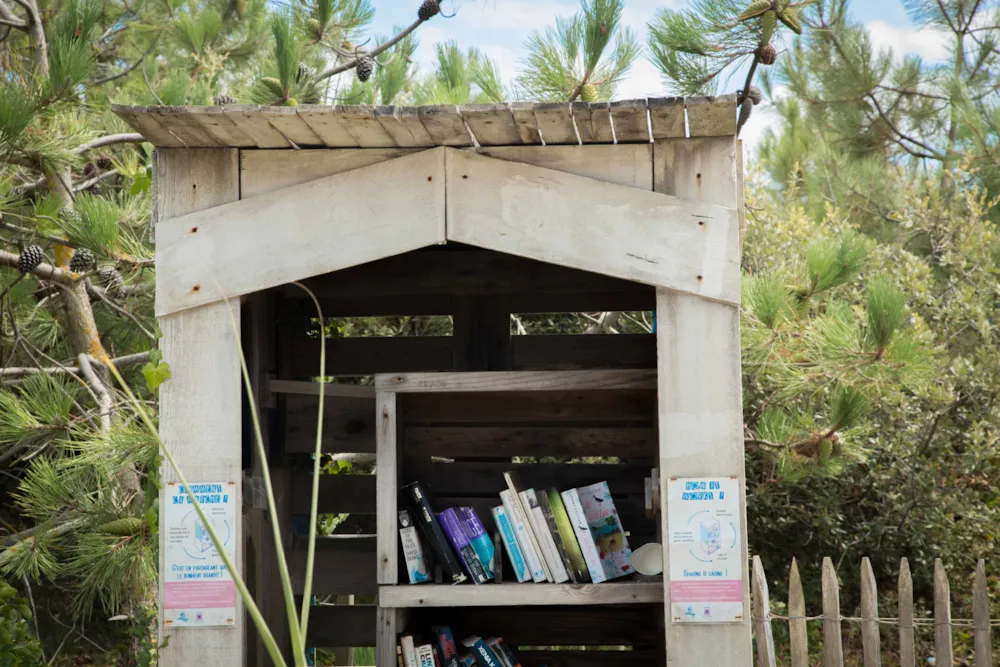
x,y
571,499
425,656
545,540
409,651
524,537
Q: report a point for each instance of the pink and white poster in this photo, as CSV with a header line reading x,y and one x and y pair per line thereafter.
x,y
706,571
198,590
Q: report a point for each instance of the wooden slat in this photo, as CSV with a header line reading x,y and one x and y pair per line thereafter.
x,y
527,126
833,647
445,125
354,494
943,652
516,381
504,441
216,122
584,407
870,641
348,424
629,118
567,353
605,658
342,625
444,595
555,123
565,219
907,653
327,388
360,122
390,624
478,478
797,632
344,565
252,123
666,117
266,171
323,121
386,483
146,124
184,125
404,126
593,122
762,616
491,124
629,165
981,617
286,121
203,257
711,116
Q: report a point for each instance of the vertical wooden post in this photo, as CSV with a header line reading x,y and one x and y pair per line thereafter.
x,y
833,646
386,495
798,637
869,616
943,653
981,617
700,389
907,652
200,406
762,616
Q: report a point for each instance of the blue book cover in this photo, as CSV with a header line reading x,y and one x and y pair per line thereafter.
x,y
452,527
478,538
446,645
510,544
484,655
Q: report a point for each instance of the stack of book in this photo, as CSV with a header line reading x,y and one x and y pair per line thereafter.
x,y
442,651
569,536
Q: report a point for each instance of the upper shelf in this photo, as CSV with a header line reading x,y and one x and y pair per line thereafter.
x,y
508,595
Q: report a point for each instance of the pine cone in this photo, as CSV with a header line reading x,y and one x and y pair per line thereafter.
x,y
746,107
365,67
767,54
70,217
755,95
104,163
30,258
302,73
82,260
428,8
224,100
122,527
111,280
89,170
588,93
95,189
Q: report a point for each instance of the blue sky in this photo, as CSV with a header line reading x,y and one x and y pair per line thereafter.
x,y
500,28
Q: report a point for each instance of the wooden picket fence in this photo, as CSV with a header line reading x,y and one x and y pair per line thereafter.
x,y
869,620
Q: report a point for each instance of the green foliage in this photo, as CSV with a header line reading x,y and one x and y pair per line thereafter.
x,y
18,645
460,77
34,414
156,371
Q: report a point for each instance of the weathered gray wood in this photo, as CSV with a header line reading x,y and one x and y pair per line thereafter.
x,y
390,625
511,407
348,424
516,381
200,406
593,122
266,171
323,121
711,116
445,125
253,123
907,653
833,646
629,118
491,124
981,617
343,565
404,126
869,616
360,122
630,165
530,440
505,595
189,129
797,634
386,484
342,625
147,125
943,653
762,616
203,257
286,121
314,389
527,126
666,117
555,123
217,123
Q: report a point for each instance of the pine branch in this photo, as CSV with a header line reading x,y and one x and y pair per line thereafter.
x,y
79,187
120,362
128,69
103,395
43,270
351,64
109,140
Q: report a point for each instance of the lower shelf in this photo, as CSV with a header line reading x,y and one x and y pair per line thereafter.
x,y
506,595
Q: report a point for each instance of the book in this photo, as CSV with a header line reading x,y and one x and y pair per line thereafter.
x,y
484,655
606,527
564,527
523,534
399,656
416,563
466,660
516,487
409,651
503,652
510,544
550,521
446,645
415,496
453,530
425,656
478,538
437,656
547,545
494,644
571,499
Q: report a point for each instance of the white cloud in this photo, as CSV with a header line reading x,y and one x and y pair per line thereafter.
x,y
513,14
928,43
642,80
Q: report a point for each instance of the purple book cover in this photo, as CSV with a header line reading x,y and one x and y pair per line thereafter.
x,y
452,527
478,538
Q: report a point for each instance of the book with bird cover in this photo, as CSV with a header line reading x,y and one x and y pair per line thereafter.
x,y
525,539
516,487
577,564
419,503
506,529
606,527
574,508
453,530
546,542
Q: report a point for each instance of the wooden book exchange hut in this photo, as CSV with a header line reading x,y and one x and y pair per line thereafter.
x,y
482,213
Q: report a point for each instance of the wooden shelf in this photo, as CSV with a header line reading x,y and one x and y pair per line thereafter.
x,y
507,595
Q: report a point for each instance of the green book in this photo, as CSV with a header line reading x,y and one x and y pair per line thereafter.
x,y
577,565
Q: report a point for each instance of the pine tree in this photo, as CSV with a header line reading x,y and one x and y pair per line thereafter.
x,y
460,78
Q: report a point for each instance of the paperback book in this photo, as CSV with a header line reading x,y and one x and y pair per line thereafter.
x,y
415,496
515,486
510,545
446,645
574,508
453,530
425,656
417,567
409,651
557,538
484,655
577,563
478,538
525,539
546,543
606,527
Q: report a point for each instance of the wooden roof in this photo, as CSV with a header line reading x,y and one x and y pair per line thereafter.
x,y
365,126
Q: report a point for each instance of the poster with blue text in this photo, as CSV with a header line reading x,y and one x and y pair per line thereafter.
x,y
198,590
